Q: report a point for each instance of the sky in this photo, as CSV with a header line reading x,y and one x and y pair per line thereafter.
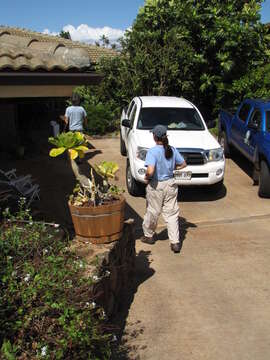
x,y
86,20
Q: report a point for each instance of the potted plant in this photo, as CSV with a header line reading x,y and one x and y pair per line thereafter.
x,y
96,207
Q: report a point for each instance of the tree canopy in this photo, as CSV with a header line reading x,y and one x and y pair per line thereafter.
x,y
65,34
195,48
202,50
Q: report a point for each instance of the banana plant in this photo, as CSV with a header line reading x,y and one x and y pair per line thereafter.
x,y
73,142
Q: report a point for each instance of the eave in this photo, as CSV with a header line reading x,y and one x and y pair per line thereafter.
x,y
44,78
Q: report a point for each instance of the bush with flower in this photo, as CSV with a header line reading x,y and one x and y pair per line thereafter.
x,y
47,307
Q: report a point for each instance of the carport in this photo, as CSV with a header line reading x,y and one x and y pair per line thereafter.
x,y
37,74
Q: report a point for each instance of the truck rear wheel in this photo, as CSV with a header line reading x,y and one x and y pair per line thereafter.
x,y
264,180
123,149
134,187
223,140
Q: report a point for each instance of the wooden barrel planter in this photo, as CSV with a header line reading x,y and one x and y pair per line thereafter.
x,y
101,224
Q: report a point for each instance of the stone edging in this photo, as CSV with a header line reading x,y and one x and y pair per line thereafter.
x,y
112,266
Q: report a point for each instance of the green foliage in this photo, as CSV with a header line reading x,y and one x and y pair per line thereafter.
x,y
65,34
101,112
107,169
99,119
97,194
214,131
194,49
256,84
47,305
74,142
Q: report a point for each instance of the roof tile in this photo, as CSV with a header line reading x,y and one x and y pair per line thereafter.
x,y
28,50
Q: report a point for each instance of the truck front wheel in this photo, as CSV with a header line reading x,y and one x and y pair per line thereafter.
x,y
264,180
134,187
223,140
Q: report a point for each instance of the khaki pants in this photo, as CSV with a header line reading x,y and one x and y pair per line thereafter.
x,y
161,198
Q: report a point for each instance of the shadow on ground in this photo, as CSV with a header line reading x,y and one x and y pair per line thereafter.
x,y
143,272
200,193
243,163
196,193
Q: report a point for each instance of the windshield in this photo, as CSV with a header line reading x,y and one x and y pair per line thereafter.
x,y
267,118
172,118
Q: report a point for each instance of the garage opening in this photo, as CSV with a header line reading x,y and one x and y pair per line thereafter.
x,y
26,124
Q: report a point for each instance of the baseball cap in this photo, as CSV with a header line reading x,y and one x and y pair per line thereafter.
x,y
159,130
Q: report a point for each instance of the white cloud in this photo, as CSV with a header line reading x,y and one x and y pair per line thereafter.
x,y
47,32
89,34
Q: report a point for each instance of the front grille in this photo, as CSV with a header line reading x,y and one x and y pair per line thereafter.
x,y
193,176
193,158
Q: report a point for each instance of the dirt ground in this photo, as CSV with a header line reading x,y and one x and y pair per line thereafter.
x,y
209,302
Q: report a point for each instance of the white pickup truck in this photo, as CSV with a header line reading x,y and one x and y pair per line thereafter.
x,y
187,132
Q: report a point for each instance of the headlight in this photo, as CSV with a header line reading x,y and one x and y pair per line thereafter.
x,y
141,153
215,154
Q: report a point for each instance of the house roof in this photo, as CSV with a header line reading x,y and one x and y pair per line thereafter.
x,y
23,50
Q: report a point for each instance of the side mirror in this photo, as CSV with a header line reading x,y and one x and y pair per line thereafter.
x,y
211,124
253,126
126,123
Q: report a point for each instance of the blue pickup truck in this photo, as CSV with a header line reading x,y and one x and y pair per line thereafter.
x,y
248,131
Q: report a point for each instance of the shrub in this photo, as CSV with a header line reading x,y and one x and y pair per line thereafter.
x,y
99,119
47,308
256,84
102,116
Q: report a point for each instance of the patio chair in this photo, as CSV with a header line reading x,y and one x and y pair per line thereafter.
x,y
5,195
10,177
30,194
22,186
11,174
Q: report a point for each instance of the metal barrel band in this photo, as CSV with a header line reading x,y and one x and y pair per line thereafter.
x,y
96,216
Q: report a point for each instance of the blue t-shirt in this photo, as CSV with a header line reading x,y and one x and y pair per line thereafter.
x,y
75,115
163,167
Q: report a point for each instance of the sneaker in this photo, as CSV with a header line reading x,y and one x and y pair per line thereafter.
x,y
148,240
176,247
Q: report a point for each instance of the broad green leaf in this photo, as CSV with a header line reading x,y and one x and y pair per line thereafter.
x,y
79,136
53,141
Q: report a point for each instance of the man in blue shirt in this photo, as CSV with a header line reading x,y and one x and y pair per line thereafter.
x,y
75,115
161,191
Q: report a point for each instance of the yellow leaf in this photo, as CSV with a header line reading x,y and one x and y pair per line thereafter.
x,y
81,154
73,154
79,136
57,151
81,148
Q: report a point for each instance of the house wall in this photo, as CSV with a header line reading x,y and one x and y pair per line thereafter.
x,y
35,91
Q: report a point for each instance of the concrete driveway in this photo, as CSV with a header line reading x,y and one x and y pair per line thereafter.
x,y
211,301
